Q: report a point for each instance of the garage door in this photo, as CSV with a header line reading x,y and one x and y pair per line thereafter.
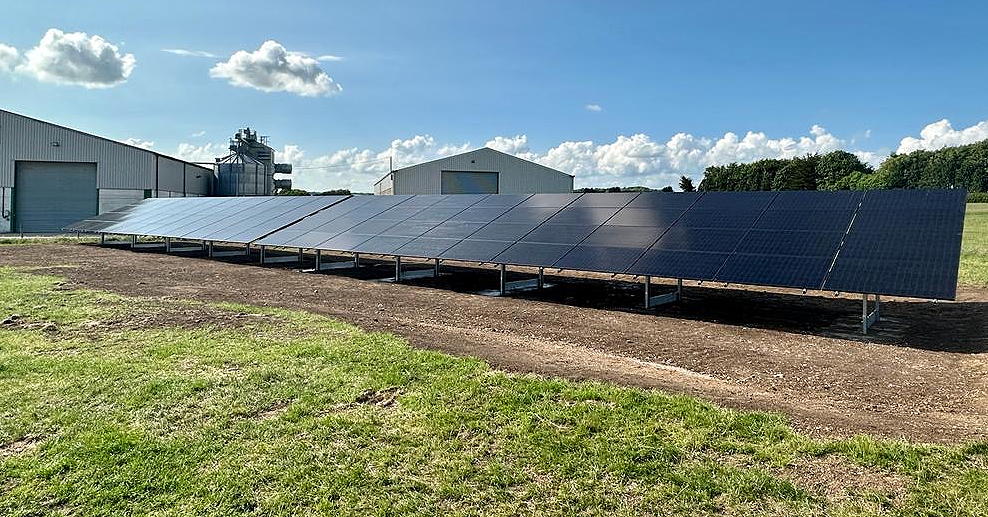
x,y
50,195
460,182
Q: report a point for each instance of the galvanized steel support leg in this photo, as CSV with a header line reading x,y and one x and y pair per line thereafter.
x,y
869,319
247,250
168,244
662,299
504,278
102,239
262,254
318,260
209,249
397,268
437,268
301,258
133,241
541,281
356,260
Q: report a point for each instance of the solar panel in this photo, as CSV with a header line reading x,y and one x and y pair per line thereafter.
x,y
902,243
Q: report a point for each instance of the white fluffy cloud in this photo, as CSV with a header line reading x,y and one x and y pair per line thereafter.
x,y
8,57
137,142
593,107
273,68
71,58
942,134
201,153
627,160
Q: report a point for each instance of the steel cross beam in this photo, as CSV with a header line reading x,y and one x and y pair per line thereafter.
x,y
664,298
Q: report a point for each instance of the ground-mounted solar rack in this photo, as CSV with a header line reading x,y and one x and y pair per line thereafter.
x,y
900,243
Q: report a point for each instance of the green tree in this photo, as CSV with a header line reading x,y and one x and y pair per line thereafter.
x,y
686,184
667,188
835,166
798,174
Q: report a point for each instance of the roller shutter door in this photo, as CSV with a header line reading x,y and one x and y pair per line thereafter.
x,y
51,195
460,182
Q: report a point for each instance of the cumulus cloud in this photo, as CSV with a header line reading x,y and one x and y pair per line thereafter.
x,y
201,153
942,134
189,53
8,57
329,57
137,142
635,159
593,107
75,58
273,68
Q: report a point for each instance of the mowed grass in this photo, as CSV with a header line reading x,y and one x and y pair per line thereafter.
x,y
122,406
974,247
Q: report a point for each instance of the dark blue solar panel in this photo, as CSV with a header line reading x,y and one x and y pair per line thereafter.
x,y
473,250
343,242
453,230
604,199
624,236
426,247
549,200
583,215
665,200
504,231
532,254
902,243
775,270
599,258
700,239
559,233
381,245
692,265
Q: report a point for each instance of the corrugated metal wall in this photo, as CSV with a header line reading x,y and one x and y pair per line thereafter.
x,y
118,166
516,176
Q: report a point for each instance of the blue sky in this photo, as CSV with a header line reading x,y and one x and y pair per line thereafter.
x,y
422,79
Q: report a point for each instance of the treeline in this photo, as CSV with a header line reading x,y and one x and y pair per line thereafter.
x,y
952,167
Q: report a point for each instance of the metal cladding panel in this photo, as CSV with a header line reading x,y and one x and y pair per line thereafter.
x,y
119,166
170,175
903,243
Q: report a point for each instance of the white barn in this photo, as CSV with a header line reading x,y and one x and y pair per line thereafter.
x,y
482,171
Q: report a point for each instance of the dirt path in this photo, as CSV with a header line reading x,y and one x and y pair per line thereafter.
x,y
922,374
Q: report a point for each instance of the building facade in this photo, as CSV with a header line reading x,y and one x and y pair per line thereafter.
x,y
51,175
483,171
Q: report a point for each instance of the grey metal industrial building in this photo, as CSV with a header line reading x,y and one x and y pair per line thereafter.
x,y
52,176
482,171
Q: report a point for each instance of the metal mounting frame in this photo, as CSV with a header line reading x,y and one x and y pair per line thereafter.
x,y
664,298
402,274
506,287
169,248
227,253
265,259
870,318
342,264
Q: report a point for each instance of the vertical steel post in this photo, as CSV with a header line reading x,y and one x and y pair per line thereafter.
x,y
397,268
301,258
356,260
247,249
210,249
648,291
437,268
102,238
133,241
864,313
318,260
504,279
168,244
679,289
541,281
878,308
262,254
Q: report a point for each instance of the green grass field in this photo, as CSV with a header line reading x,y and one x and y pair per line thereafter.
x,y
974,250
122,406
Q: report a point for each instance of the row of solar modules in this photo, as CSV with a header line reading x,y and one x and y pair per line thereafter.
x,y
883,242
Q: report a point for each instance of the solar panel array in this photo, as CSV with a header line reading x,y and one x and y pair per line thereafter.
x,y
222,219
880,242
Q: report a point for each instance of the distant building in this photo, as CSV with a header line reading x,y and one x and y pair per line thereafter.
x,y
483,171
51,175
